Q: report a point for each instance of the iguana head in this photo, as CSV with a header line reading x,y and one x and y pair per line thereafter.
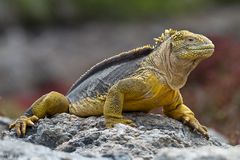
x,y
187,45
177,53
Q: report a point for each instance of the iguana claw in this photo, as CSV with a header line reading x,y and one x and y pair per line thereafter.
x,y
22,123
110,122
193,123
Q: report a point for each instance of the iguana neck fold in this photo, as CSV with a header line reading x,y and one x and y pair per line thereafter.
x,y
171,69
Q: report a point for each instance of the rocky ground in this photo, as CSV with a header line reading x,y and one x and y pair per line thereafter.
x,y
157,137
4,122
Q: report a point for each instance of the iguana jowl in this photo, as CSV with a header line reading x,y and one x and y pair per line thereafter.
x,y
138,80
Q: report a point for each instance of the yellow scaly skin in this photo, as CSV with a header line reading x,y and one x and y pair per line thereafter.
x,y
156,83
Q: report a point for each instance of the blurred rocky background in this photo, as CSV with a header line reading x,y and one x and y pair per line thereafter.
x,y
46,45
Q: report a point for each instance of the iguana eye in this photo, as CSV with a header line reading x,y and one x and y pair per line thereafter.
x,y
190,39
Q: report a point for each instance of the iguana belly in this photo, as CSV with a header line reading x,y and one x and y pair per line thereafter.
x,y
160,95
88,106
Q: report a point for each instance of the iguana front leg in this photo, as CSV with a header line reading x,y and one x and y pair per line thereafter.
x,y
47,105
181,112
127,88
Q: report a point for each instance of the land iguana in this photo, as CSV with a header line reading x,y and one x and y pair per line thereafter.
x,y
138,80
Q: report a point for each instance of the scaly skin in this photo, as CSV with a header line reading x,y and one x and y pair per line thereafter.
x,y
155,83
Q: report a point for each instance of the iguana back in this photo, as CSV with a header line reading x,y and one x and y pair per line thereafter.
x,y
103,75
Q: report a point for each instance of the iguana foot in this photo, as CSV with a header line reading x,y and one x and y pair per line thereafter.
x,y
22,123
192,122
110,122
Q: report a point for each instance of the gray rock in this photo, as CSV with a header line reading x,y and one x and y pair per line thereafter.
x,y
217,135
88,136
202,153
4,123
18,150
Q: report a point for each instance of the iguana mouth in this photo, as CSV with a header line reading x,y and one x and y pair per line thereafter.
x,y
195,52
203,47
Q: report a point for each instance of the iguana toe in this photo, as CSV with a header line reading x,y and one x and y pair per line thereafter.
x,y
205,128
110,122
193,123
22,123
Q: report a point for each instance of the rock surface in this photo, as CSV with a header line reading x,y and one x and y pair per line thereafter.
x,y
4,122
156,137
17,150
201,153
